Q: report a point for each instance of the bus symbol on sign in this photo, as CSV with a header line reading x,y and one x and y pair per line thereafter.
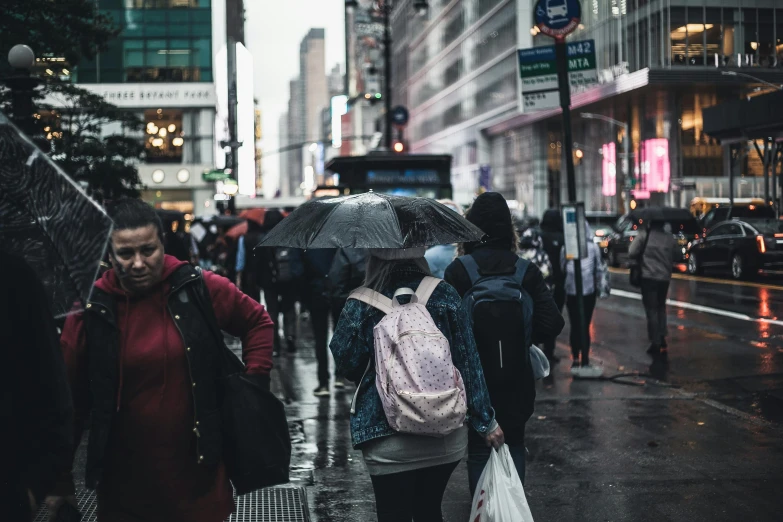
x,y
558,18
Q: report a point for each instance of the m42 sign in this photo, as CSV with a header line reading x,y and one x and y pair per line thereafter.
x,y
557,18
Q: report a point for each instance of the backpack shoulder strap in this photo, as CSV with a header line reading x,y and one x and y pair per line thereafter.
x,y
471,267
372,298
521,270
426,288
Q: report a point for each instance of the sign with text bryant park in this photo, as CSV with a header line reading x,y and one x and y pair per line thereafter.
x,y
146,95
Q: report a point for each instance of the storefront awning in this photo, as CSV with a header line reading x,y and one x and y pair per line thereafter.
x,y
740,120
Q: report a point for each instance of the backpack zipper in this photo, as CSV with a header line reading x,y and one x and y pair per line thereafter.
x,y
500,348
419,332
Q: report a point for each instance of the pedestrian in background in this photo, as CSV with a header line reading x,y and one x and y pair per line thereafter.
x,y
316,297
247,266
553,241
531,247
440,256
36,413
504,328
593,272
280,271
143,364
409,472
656,250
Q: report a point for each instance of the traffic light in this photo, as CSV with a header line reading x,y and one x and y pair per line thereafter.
x,y
399,147
373,97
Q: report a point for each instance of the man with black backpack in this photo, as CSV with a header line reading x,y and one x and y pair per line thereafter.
x,y
511,308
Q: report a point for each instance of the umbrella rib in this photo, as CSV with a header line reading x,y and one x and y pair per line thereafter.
x,y
396,219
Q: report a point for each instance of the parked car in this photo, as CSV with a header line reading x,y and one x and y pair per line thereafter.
x,y
743,247
739,210
684,227
602,224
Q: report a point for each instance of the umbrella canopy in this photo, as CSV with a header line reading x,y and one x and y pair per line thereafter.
x,y
47,220
372,220
679,218
254,214
237,231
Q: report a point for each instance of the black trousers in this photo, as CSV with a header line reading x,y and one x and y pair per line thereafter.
x,y
412,495
559,294
580,344
320,311
282,300
654,299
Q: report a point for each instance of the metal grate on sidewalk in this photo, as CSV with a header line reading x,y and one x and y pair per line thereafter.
x,y
280,504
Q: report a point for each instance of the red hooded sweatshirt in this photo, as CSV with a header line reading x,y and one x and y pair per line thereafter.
x,y
151,473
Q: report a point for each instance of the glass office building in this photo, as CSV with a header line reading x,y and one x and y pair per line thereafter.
x,y
659,64
161,66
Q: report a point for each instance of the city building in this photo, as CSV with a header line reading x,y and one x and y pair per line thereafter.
x,y
659,63
161,66
292,166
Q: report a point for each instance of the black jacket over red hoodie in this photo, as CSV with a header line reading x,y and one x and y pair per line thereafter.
x,y
140,369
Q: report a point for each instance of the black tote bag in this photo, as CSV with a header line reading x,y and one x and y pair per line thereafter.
x,y
256,441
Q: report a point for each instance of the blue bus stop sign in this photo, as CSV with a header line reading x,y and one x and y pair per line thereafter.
x,y
557,18
400,116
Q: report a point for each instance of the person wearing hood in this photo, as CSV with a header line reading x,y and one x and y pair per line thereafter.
x,y
143,364
594,285
497,255
553,240
531,247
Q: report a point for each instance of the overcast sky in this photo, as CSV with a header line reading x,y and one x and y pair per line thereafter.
x,y
273,32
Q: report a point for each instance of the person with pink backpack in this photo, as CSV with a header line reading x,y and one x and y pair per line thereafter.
x,y
406,341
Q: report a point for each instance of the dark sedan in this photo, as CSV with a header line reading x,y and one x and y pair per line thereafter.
x,y
740,247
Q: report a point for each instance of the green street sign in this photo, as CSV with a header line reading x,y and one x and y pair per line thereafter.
x,y
215,175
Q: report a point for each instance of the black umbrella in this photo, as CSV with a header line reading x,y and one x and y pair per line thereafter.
x,y
372,220
679,218
47,220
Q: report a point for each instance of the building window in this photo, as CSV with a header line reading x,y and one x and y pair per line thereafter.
x,y
164,135
165,4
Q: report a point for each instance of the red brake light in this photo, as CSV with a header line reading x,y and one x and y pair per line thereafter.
x,y
762,246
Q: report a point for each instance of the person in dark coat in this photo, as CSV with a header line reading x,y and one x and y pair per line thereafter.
x,y
498,254
141,368
317,299
36,413
552,235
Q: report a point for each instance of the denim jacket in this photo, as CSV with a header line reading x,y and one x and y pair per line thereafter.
x,y
352,347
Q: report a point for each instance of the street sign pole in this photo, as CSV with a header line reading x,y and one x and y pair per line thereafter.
x,y
558,20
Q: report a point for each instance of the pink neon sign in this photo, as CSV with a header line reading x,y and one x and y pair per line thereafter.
x,y
609,169
655,167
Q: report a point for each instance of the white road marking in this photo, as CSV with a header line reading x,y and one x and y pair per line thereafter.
x,y
703,309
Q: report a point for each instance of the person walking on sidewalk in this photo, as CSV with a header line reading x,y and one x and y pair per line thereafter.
x,y
143,364
36,413
247,266
531,247
503,329
409,472
593,278
316,297
553,241
347,273
280,270
655,249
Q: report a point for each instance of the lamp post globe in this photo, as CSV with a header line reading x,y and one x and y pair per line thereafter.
x,y
21,57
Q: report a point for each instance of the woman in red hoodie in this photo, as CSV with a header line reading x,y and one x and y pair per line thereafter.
x,y
150,467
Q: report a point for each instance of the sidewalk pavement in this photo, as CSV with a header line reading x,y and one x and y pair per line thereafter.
x,y
598,451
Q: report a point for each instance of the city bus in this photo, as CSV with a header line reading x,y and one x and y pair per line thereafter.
x,y
422,175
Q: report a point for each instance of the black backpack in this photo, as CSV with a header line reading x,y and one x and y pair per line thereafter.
x,y
289,265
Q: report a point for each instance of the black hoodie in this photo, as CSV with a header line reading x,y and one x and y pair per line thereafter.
x,y
491,214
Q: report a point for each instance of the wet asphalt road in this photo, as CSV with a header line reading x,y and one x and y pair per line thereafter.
x,y
702,440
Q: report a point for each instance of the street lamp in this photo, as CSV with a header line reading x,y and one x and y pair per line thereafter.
x,y
626,141
386,6
22,85
759,80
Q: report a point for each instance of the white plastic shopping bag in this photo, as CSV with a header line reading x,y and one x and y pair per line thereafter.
x,y
499,495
